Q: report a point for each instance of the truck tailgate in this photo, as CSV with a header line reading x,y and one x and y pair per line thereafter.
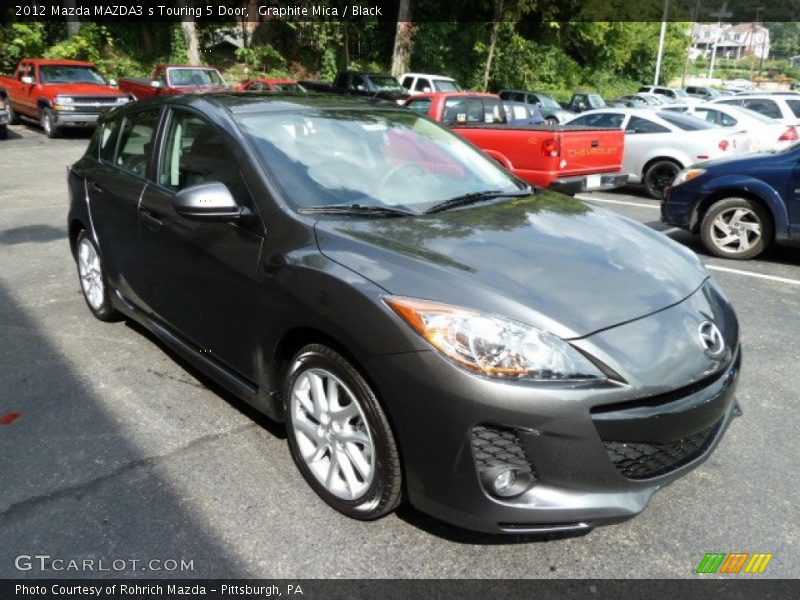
x,y
587,150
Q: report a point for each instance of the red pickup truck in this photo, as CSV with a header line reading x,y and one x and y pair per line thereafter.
x,y
174,79
567,159
58,93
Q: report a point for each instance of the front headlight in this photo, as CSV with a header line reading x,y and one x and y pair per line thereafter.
x,y
64,100
123,99
687,175
494,346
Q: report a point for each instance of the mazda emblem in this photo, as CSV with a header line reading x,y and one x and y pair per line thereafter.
x,y
711,339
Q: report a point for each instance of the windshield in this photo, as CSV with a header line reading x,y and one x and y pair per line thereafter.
x,y
70,74
386,83
445,85
369,158
185,77
685,122
680,93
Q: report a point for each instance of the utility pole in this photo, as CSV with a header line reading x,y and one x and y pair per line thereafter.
x,y
661,41
722,13
695,32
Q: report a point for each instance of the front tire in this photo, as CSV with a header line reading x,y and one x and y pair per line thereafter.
x,y
339,435
736,228
95,288
13,117
48,122
659,176
3,132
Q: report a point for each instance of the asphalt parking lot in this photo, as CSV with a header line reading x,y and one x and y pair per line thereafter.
x,y
121,451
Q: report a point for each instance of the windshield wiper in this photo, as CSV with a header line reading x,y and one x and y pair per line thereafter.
x,y
465,199
357,209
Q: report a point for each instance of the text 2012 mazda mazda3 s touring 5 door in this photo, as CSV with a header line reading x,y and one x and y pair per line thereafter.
x,y
427,326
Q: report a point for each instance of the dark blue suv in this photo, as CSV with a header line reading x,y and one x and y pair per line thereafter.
x,y
739,205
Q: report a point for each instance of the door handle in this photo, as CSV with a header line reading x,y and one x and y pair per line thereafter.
x,y
97,187
595,143
152,218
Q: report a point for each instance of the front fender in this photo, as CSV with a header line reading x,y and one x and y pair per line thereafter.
x,y
736,184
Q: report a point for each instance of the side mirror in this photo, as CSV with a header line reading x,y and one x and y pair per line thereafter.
x,y
156,84
211,201
113,82
27,80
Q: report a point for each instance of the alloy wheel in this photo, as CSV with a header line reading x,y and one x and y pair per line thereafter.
x,y
736,230
90,274
332,433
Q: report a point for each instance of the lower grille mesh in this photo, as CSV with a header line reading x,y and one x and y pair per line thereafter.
x,y
494,447
642,460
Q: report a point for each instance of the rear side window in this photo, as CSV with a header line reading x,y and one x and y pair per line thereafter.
x,y
606,120
715,116
136,141
463,110
764,106
407,82
493,111
639,125
685,122
107,141
794,105
421,106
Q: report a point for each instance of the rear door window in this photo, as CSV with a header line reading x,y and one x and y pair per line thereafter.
x,y
639,125
764,106
794,106
408,82
136,141
422,84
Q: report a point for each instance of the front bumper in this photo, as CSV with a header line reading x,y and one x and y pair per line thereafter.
x,y
589,183
678,207
597,453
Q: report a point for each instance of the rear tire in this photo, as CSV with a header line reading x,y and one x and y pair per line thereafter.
x,y
736,228
659,176
48,122
94,285
339,435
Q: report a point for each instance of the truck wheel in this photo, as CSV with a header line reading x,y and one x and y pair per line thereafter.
x,y
3,132
736,228
13,117
659,176
48,120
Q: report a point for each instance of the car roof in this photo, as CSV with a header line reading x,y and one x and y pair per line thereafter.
x,y
451,94
428,75
247,102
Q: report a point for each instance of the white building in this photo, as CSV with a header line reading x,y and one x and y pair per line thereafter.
x,y
730,41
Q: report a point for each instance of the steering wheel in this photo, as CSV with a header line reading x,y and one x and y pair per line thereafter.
x,y
391,173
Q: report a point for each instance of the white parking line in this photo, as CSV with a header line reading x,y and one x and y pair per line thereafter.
x,y
756,275
607,201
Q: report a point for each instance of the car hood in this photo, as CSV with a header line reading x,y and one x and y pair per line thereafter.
x,y
548,260
739,163
86,89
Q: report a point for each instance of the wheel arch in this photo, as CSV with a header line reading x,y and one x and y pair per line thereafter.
x,y
43,102
773,207
650,162
74,228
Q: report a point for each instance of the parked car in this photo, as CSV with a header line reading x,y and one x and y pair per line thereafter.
x,y
566,159
423,83
3,120
58,94
739,206
518,113
582,101
785,109
268,84
654,101
765,133
551,110
703,92
415,315
629,101
671,94
174,79
361,83
659,144
739,85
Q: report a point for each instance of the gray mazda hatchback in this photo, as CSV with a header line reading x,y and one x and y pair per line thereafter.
x,y
429,328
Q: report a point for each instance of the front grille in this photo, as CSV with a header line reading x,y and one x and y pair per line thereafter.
x,y
95,99
642,460
493,447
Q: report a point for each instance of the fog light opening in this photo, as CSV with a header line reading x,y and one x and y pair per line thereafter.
x,y
505,481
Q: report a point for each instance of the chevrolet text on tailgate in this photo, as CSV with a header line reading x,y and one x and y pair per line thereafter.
x,y
566,159
58,94
429,327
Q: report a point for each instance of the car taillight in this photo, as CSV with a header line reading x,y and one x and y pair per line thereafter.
x,y
789,135
723,145
550,147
